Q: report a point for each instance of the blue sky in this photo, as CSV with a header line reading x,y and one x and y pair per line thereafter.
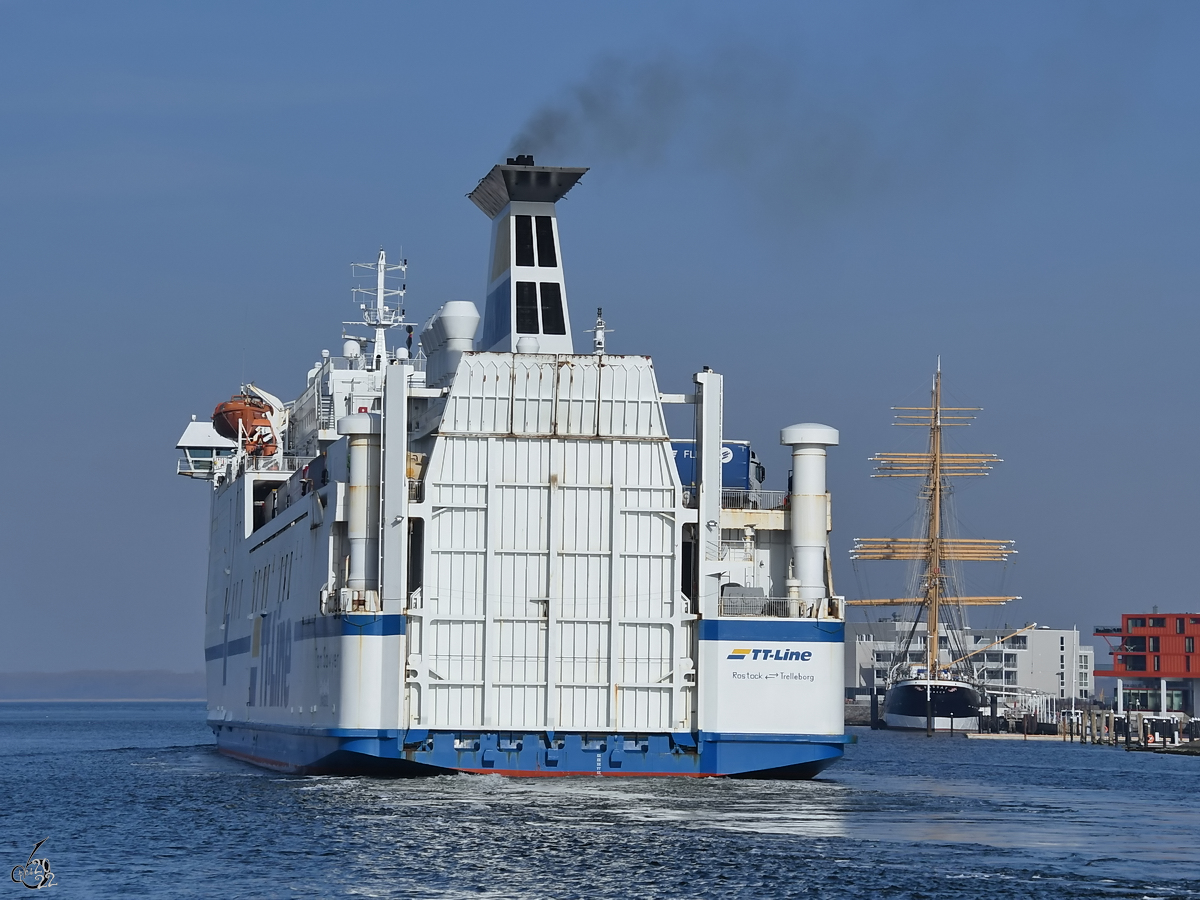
x,y
816,199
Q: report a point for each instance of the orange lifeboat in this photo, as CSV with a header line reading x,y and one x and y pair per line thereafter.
x,y
251,413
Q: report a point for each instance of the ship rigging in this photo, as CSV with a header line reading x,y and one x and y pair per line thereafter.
x,y
942,694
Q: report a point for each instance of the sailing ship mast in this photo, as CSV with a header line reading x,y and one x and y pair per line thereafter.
x,y
935,549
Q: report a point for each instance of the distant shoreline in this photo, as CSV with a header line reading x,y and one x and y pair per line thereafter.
x,y
102,699
103,685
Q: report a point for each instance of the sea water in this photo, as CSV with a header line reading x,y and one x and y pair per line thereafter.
x,y
134,801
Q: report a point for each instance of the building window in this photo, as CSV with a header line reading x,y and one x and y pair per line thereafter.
x,y
1135,623
1010,677
1062,643
1142,699
524,240
1179,626
1152,644
1156,666
1133,663
1016,643
545,243
1189,645
1137,644
553,321
527,310
1010,660
1158,622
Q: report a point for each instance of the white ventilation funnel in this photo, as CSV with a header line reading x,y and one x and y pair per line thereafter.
x,y
809,504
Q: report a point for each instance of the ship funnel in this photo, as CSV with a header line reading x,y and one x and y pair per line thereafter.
x,y
526,294
810,509
446,336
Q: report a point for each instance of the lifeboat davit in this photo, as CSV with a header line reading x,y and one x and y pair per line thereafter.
x,y
252,414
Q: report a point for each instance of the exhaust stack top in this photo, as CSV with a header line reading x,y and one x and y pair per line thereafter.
x,y
526,294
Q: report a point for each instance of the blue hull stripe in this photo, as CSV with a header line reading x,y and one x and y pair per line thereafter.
x,y
722,737
771,630
237,646
421,735
356,625
349,626
424,752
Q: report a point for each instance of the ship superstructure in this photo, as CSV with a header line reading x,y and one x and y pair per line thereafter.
x,y
481,557
934,687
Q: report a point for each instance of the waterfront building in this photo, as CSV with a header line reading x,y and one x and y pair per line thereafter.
x,y
1040,661
1154,660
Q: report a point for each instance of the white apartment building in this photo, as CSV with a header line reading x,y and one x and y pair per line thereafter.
x,y
1048,661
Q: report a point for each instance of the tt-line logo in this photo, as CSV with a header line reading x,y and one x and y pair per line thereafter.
x,y
764,654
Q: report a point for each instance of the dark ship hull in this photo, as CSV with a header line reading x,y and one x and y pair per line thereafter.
x,y
953,705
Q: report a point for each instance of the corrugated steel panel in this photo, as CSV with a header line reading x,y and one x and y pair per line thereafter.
x,y
578,397
533,395
481,402
644,709
551,595
629,405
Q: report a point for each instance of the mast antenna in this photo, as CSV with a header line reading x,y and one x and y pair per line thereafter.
x,y
375,310
598,331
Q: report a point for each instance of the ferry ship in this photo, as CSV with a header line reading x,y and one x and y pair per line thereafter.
x,y
477,554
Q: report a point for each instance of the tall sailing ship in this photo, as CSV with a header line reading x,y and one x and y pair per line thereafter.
x,y
934,690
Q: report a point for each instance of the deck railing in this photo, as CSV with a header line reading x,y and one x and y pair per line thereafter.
x,y
753,499
778,608
740,499
276,463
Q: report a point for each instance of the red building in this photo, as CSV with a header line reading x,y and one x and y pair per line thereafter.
x,y
1155,659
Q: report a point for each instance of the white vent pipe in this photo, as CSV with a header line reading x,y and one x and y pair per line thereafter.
x,y
448,334
809,508
362,499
